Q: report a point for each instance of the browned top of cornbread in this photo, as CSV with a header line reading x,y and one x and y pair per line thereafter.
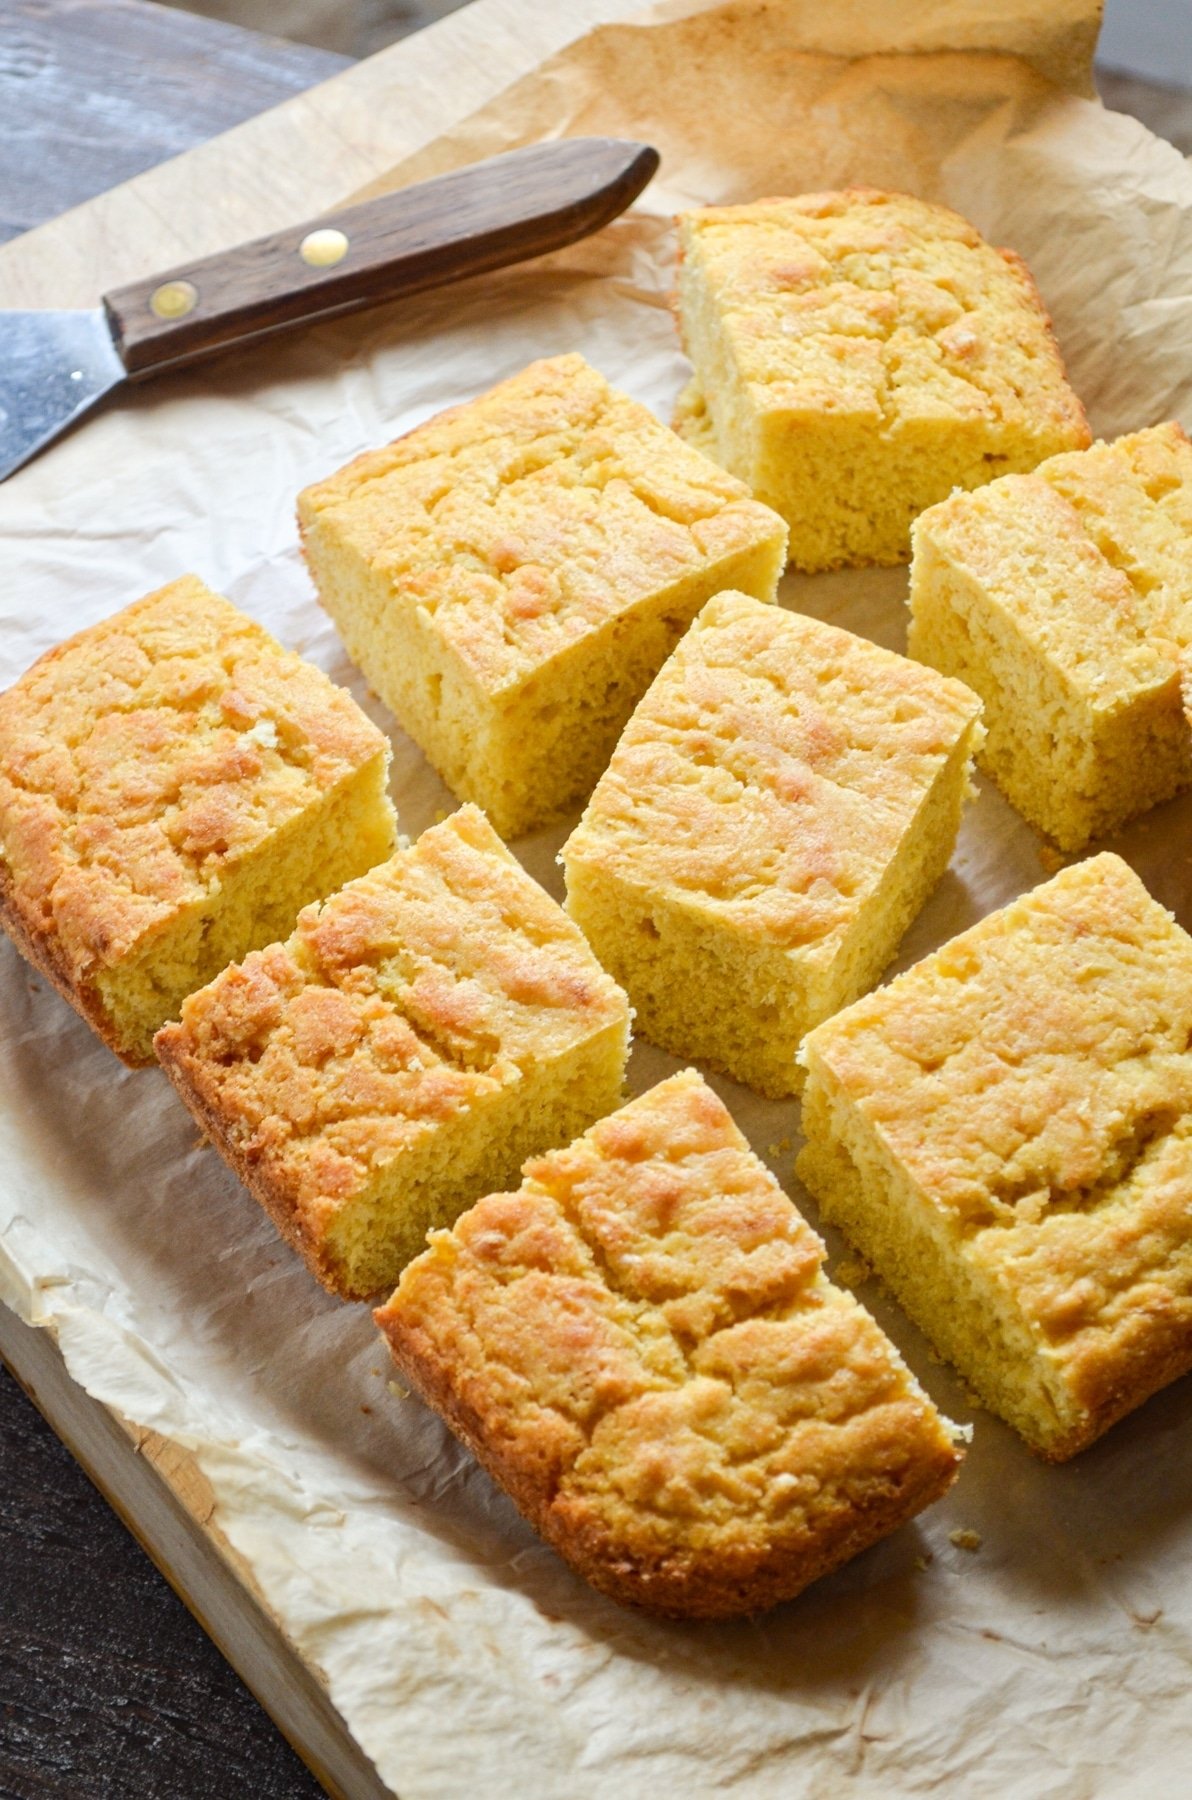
x,y
527,518
642,1344
142,758
1090,555
417,989
1133,499
872,303
771,770
1034,1076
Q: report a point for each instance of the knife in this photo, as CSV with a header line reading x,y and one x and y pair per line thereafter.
x,y
55,366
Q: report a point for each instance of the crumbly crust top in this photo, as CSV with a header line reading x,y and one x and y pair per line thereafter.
x,y
879,304
418,988
771,770
142,758
1034,1076
644,1331
1091,555
527,518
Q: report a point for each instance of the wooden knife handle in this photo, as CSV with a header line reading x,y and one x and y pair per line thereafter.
x,y
496,212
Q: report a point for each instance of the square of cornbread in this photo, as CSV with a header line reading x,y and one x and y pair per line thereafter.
x,y
511,575
857,356
642,1348
174,788
1005,1133
780,806
1064,598
420,1034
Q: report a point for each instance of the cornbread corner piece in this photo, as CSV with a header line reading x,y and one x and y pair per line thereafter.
x,y
420,1034
857,356
174,788
777,811
641,1347
1064,598
1005,1133
511,575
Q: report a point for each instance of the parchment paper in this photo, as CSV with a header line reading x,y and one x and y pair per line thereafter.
x,y
1054,1660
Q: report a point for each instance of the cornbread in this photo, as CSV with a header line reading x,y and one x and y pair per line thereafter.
x,y
174,788
1005,1133
511,575
641,1346
1064,598
420,1034
857,356
780,806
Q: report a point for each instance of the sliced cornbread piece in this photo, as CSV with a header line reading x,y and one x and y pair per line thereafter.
x,y
1005,1132
421,1033
511,575
641,1346
857,356
174,788
780,806
1064,598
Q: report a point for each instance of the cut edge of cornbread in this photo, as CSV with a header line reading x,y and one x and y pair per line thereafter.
x,y
373,1233
969,1313
702,987
852,408
1084,731
643,1493
351,830
523,733
504,753
356,1238
125,990
757,1002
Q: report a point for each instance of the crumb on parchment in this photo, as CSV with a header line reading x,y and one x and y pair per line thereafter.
x,y
852,1271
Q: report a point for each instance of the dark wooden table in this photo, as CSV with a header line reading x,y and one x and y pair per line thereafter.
x,y
109,1690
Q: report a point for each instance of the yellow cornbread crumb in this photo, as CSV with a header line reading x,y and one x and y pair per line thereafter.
x,y
965,1540
857,356
174,788
1064,598
777,811
1005,1132
853,1272
421,1033
511,575
641,1346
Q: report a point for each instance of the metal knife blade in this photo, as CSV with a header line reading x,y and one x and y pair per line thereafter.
x,y
55,366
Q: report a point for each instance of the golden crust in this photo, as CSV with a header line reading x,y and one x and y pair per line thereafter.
x,y
408,998
1106,531
771,772
1133,498
859,354
641,1347
887,303
1064,597
1033,1079
44,952
142,760
529,517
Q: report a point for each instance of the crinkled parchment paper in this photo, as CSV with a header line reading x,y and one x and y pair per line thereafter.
x,y
1053,1661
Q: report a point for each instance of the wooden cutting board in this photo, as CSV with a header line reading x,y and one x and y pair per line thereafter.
x,y
302,158
296,161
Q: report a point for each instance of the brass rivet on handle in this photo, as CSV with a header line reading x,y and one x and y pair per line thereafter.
x,y
323,248
174,299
